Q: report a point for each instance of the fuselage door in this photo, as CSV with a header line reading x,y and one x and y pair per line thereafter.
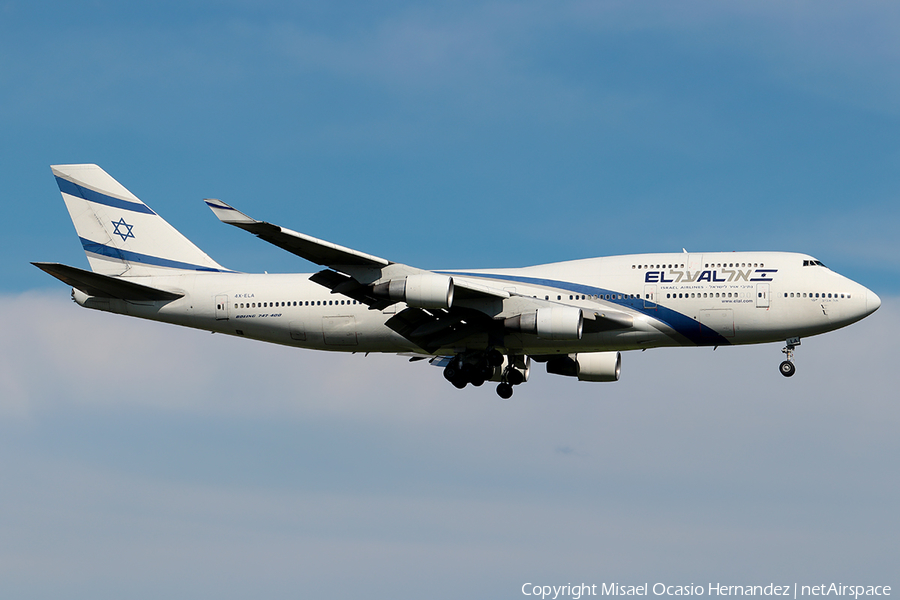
x,y
694,262
762,295
649,296
221,308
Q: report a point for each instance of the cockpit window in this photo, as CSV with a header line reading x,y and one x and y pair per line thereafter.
x,y
813,263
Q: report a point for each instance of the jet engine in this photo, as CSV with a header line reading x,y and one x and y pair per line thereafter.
x,y
551,323
587,366
423,290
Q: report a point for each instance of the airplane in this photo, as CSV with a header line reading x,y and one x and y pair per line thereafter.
x,y
575,317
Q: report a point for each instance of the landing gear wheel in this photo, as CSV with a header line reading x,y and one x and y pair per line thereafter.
x,y
515,377
451,372
494,357
787,368
505,391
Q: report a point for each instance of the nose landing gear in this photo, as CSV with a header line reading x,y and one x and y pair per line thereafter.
x,y
787,367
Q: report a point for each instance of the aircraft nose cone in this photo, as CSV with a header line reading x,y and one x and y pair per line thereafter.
x,y
873,302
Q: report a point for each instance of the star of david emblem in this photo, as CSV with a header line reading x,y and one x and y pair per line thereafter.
x,y
127,232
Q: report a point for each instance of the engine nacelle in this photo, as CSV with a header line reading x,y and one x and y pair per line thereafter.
x,y
550,323
587,366
423,290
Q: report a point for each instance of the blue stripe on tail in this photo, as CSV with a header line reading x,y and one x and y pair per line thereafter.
x,y
137,257
73,189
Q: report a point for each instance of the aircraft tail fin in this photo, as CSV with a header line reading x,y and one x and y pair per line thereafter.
x,y
120,234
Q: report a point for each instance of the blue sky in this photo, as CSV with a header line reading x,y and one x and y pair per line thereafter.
x,y
143,461
472,134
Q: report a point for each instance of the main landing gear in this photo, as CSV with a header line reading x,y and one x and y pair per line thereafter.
x,y
476,368
787,367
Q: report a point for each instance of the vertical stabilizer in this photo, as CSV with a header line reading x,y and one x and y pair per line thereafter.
x,y
120,234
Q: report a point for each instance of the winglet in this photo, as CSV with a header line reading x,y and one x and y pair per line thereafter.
x,y
227,214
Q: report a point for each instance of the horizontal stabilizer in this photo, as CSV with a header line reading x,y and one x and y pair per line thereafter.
x,y
104,286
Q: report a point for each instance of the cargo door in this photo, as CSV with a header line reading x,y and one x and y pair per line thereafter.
x,y
717,320
339,331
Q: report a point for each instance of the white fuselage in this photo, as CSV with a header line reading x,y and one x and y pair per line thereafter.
x,y
683,299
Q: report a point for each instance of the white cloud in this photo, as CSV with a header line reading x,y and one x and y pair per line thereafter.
x,y
140,454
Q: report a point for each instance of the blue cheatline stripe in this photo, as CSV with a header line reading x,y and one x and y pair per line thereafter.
x,y
73,189
136,257
693,330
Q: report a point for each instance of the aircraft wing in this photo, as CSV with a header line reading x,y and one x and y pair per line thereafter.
x,y
350,269
476,308
312,249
